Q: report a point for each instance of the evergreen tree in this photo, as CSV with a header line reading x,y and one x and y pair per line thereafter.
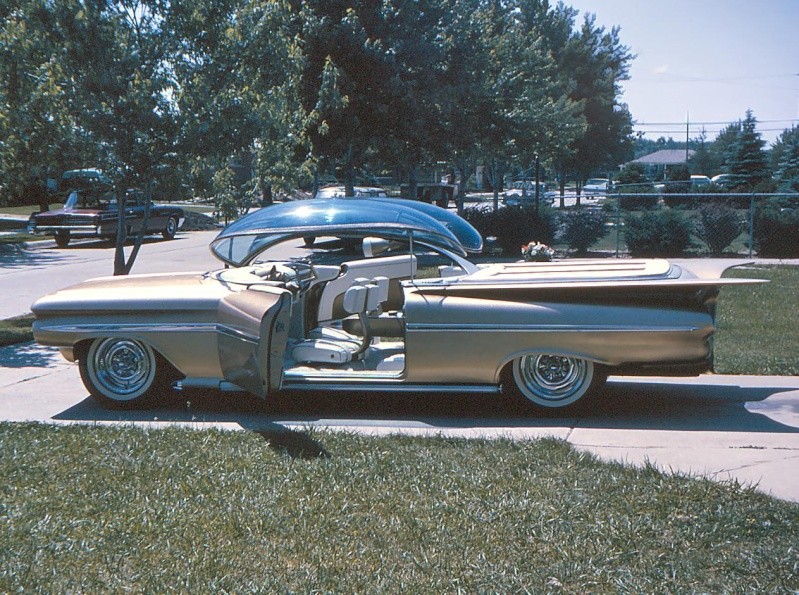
x,y
787,146
704,161
748,164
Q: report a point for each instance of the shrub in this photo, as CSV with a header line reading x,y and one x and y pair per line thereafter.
x,y
776,230
636,193
720,225
657,233
514,226
582,228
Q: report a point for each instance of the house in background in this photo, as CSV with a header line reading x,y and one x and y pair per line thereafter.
x,y
658,163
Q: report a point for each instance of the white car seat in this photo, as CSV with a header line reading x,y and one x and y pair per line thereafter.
x,y
335,346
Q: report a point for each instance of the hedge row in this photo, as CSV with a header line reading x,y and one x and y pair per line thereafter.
x,y
662,231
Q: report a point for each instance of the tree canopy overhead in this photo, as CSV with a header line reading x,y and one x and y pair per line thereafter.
x,y
171,92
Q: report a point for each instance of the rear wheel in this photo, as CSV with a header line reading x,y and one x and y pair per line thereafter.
x,y
170,229
551,381
62,239
124,373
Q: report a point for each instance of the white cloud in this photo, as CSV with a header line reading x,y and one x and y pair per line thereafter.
x,y
662,69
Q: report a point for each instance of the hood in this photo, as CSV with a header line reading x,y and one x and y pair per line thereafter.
x,y
165,291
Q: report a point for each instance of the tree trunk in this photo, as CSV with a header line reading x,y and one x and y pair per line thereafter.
x,y
121,265
122,227
266,193
349,175
413,182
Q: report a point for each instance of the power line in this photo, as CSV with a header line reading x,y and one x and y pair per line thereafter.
x,y
724,123
697,130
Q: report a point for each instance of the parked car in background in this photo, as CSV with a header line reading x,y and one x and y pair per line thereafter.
x,y
91,210
339,191
699,183
437,193
726,181
518,196
596,187
410,313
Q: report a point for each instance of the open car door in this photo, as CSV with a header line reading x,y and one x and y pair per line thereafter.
x,y
252,333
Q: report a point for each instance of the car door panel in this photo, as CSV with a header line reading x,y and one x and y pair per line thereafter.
x,y
252,330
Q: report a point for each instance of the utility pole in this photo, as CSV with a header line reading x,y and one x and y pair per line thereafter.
x,y
687,122
537,177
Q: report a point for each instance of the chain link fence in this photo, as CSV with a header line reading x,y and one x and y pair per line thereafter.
x,y
652,224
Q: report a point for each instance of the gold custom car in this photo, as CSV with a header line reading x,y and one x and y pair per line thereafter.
x,y
408,313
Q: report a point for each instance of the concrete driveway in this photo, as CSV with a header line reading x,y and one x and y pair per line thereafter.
x,y
742,428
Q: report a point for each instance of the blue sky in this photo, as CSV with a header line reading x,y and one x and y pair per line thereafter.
x,y
707,61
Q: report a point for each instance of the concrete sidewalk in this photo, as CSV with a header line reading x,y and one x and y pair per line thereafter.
x,y
741,428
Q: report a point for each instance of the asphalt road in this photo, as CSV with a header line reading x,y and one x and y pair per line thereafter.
x,y
26,275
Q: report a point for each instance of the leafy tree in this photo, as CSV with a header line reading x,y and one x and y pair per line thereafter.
x,y
597,62
38,136
538,105
376,81
117,62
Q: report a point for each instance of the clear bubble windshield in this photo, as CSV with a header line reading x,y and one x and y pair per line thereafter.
x,y
244,239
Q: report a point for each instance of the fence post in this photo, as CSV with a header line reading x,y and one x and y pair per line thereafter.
x,y
751,223
618,223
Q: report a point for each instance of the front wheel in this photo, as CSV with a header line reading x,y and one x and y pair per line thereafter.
x,y
170,229
550,381
62,239
124,373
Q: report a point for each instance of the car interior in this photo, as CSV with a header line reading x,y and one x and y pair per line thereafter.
x,y
347,317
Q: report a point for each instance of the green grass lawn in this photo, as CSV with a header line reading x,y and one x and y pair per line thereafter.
x,y
18,238
116,509
758,325
16,330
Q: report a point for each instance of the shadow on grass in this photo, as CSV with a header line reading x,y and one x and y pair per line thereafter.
x,y
297,445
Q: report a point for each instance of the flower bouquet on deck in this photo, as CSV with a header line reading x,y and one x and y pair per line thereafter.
x,y
537,252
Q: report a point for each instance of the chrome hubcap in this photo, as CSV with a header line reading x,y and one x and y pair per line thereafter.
x,y
123,367
171,226
553,378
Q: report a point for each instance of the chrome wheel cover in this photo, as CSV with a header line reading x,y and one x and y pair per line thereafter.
x,y
122,369
552,380
171,227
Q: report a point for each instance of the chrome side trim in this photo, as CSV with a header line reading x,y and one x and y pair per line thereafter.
x,y
208,384
235,333
66,227
189,327
138,327
392,387
540,328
